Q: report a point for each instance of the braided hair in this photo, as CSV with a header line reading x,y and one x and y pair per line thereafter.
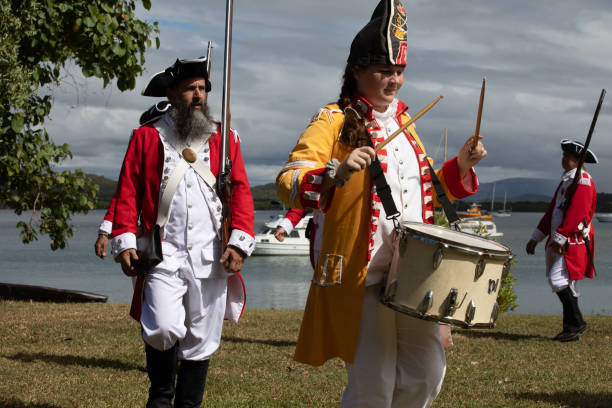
x,y
353,130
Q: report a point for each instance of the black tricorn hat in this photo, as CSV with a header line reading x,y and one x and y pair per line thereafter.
x,y
154,112
575,148
383,39
181,69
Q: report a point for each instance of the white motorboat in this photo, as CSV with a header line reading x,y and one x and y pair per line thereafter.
x,y
295,244
475,226
604,217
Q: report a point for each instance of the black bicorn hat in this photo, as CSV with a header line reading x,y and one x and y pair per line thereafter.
x,y
576,148
181,69
384,39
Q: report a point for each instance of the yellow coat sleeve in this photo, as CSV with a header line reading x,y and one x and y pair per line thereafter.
x,y
309,157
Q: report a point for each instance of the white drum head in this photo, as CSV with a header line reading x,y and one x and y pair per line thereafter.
x,y
454,238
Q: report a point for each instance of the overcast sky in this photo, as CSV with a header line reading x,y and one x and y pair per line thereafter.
x,y
545,61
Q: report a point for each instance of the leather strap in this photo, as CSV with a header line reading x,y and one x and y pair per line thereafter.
x,y
382,187
449,210
179,171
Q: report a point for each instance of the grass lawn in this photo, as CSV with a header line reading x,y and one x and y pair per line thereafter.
x,y
91,355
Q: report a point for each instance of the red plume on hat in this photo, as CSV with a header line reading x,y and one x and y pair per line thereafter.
x,y
181,69
383,39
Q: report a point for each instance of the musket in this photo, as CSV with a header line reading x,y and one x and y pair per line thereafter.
x,y
224,185
572,188
208,59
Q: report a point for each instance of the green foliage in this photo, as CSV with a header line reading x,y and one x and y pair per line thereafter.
x,y
37,39
265,197
506,299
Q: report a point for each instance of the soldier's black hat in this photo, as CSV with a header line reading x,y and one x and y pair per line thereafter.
x,y
181,69
576,148
383,39
154,112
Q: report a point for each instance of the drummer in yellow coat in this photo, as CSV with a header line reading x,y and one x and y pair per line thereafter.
x,y
393,360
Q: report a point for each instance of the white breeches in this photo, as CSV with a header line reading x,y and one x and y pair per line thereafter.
x,y
556,273
399,361
179,307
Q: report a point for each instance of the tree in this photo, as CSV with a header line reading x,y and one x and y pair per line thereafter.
x,y
37,39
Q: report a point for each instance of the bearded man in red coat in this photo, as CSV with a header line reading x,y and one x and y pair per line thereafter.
x,y
571,240
168,181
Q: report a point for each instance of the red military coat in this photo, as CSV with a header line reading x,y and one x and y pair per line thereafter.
x,y
137,196
581,208
140,179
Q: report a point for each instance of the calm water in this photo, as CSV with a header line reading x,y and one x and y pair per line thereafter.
x,y
278,282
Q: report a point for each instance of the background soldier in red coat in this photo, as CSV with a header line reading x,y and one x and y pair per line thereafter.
x,y
570,245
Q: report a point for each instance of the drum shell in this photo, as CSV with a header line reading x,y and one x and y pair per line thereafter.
x,y
414,275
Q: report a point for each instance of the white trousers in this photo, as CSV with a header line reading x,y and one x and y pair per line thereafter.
x,y
399,361
556,272
179,307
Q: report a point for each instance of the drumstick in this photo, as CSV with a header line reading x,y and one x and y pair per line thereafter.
x,y
410,122
477,131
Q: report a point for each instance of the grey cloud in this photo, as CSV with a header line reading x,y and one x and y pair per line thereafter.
x,y
545,64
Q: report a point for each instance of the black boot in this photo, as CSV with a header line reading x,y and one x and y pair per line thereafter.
x,y
190,383
580,324
566,314
574,324
161,367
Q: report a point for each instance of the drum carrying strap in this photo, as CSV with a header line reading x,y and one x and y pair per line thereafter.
x,y
382,187
384,191
449,210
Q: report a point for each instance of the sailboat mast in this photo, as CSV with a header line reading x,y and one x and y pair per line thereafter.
x,y
493,198
445,139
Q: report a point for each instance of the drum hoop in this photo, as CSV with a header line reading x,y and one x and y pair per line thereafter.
x,y
433,318
432,239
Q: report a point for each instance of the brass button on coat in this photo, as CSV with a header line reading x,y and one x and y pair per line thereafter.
x,y
189,155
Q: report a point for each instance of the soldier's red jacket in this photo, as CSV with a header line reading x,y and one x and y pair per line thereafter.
x,y
135,203
568,232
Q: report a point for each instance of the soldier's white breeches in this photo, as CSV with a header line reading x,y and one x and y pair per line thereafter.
x,y
556,273
399,361
178,307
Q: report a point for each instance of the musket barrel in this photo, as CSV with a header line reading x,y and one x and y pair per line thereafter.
x,y
590,134
208,59
227,60
225,164
572,188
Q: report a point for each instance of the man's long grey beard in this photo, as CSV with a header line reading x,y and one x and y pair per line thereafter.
x,y
191,123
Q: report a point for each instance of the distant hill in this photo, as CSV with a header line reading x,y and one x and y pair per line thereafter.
x,y
523,194
517,189
106,189
264,196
